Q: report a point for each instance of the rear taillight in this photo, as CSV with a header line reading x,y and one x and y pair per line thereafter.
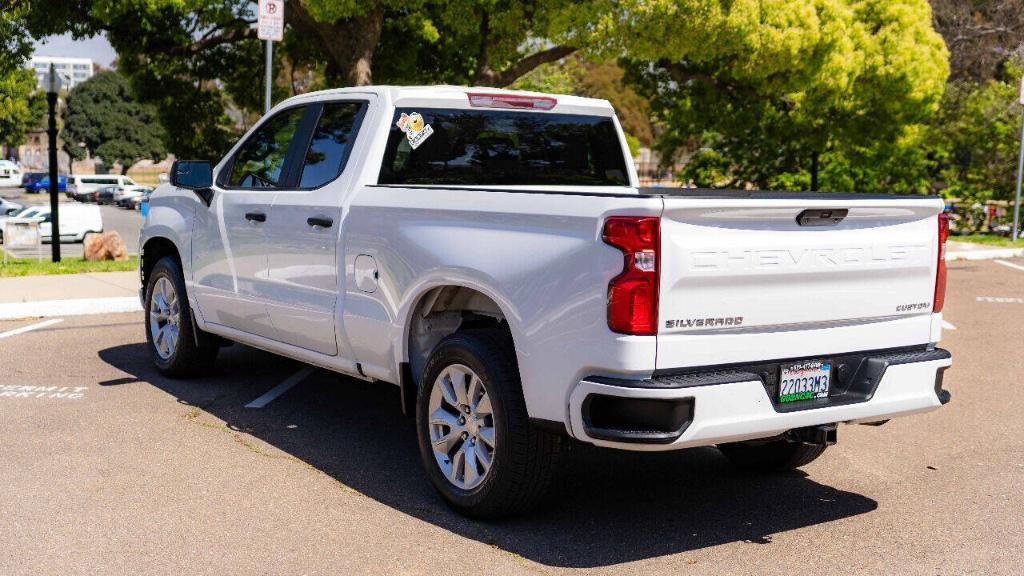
x,y
940,275
633,294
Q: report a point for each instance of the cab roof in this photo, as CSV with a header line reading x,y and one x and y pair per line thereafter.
x,y
444,96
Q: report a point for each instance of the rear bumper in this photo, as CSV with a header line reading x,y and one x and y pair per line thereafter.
x,y
714,406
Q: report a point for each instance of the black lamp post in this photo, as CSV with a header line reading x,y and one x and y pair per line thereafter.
x,y
52,90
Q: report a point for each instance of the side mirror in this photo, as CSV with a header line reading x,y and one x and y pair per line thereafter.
x,y
196,175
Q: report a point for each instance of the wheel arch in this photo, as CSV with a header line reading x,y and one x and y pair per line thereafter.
x,y
436,312
152,251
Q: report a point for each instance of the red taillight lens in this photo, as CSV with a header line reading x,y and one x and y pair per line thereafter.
x,y
940,275
633,294
481,100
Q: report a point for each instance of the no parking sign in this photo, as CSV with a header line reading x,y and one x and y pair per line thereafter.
x,y
271,20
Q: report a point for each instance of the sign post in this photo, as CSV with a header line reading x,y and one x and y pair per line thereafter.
x,y
1020,172
270,29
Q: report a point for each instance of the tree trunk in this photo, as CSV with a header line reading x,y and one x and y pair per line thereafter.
x,y
348,43
814,171
487,76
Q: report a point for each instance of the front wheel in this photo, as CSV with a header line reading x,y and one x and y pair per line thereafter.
x,y
772,455
476,442
169,327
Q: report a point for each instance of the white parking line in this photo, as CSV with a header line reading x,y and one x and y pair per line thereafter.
x,y
947,326
31,327
1000,299
281,388
1010,264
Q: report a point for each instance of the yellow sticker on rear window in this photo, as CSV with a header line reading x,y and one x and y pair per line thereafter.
x,y
414,127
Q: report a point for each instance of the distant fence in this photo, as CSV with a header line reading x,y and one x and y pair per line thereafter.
x,y
150,176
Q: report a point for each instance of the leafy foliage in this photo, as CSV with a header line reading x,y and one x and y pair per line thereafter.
x,y
195,59
15,45
974,139
750,92
605,79
103,114
21,106
761,88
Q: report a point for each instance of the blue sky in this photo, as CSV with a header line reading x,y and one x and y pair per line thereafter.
x,y
96,48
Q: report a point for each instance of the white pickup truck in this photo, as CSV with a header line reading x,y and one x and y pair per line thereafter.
x,y
491,253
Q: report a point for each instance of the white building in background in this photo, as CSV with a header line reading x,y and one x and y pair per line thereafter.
x,y
71,70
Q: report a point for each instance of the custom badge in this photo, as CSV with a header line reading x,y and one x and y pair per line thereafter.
x,y
415,130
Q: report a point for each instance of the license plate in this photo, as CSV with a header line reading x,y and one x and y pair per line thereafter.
x,y
805,381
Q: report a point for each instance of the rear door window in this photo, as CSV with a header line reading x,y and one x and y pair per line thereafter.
x,y
496,147
331,143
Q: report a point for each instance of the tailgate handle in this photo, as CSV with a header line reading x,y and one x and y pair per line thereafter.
x,y
821,216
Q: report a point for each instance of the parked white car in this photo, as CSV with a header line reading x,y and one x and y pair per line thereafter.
x,y
7,207
130,191
26,212
83,186
10,174
491,254
23,214
76,220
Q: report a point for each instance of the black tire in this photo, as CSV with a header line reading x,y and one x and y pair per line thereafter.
x,y
771,456
187,359
525,457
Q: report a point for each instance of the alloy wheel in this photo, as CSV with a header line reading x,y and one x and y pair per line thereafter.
x,y
461,426
164,317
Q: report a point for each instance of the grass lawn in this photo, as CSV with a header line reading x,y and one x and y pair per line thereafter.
x,y
987,239
67,265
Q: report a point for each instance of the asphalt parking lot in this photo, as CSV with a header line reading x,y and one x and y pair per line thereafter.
x,y
125,222
118,470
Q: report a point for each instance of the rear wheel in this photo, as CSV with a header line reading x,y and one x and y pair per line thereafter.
x,y
170,331
476,442
772,455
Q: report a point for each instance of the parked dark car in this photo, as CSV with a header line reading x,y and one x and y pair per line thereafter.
x,y
105,195
131,194
29,180
135,202
43,185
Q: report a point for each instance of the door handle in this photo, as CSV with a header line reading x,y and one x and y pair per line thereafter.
x,y
321,221
256,216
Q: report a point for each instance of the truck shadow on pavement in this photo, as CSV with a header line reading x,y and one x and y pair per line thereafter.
x,y
610,506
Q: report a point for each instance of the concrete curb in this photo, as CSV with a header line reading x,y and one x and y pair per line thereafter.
x,y
985,254
75,307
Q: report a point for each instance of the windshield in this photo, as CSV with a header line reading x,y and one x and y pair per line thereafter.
x,y
492,147
25,212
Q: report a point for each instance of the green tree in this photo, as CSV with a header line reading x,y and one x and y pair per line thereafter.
x,y
102,114
604,79
974,139
22,106
15,45
196,58
766,90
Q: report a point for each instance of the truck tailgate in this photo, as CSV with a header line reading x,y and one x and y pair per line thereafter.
x,y
741,280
